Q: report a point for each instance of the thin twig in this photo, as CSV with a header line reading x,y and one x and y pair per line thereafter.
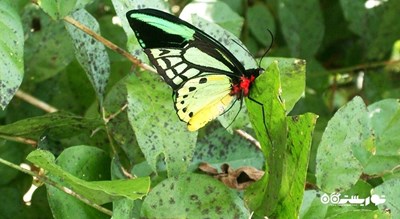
x,y
108,43
357,67
110,139
112,116
52,183
19,139
248,137
35,102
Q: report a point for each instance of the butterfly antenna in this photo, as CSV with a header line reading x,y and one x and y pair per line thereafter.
x,y
269,48
245,49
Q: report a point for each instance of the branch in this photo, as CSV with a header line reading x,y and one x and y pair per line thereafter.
x,y
20,140
248,137
35,102
108,43
358,67
52,183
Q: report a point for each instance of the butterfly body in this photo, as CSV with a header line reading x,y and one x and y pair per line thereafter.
x,y
205,77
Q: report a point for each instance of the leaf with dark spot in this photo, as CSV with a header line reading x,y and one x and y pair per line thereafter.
x,y
193,199
11,52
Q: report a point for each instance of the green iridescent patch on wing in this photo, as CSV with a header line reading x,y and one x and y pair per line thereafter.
x,y
165,25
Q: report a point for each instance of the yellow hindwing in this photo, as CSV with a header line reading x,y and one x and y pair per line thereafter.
x,y
202,99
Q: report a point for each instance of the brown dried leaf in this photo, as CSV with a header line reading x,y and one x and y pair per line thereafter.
x,y
236,179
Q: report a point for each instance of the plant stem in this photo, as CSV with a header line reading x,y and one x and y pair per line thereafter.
x,y
35,102
108,43
55,184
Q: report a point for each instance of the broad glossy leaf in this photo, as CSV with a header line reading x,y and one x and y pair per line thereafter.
x,y
11,152
385,122
286,146
158,129
312,206
391,192
48,48
81,168
123,6
214,12
119,126
271,134
302,26
260,20
382,27
227,39
343,148
90,53
194,196
58,125
58,9
218,147
11,52
293,75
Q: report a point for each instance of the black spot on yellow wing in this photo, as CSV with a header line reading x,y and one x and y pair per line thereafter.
x,y
184,110
191,114
185,96
203,80
191,89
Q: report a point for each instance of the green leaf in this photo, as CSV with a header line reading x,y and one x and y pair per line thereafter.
x,y
194,196
158,129
293,74
125,209
389,190
123,6
362,214
286,146
312,206
48,48
58,9
90,53
57,125
343,148
11,53
219,147
300,130
385,122
260,20
376,26
77,167
119,126
11,152
217,12
302,26
265,90
227,39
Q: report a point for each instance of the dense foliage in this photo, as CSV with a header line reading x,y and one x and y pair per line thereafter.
x,y
98,131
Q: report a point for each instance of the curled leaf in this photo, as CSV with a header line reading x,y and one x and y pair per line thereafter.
x,y
234,178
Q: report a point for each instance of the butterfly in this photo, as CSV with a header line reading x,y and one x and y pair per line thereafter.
x,y
206,78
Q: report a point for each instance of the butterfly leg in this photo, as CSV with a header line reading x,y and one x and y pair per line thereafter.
x,y
240,108
263,115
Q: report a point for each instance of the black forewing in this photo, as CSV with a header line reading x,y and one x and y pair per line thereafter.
x,y
154,37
